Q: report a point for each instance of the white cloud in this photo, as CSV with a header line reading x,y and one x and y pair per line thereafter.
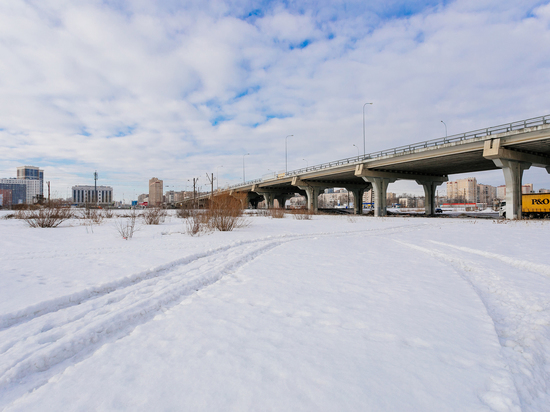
x,y
136,89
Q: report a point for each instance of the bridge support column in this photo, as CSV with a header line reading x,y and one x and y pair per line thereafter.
x,y
268,198
358,193
513,174
281,199
429,195
379,187
312,191
312,195
513,163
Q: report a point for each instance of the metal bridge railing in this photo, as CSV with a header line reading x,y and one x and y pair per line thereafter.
x,y
411,148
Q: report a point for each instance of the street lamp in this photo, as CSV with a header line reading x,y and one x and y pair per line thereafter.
x,y
307,164
364,141
286,152
243,165
357,150
445,127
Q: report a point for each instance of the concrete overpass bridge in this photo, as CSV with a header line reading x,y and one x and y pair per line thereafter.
x,y
512,147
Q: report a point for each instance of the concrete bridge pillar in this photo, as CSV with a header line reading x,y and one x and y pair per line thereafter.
x,y
512,163
312,191
281,199
357,199
268,198
429,195
379,188
312,194
513,174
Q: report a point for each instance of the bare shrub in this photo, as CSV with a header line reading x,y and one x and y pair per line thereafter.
x,y
127,228
197,223
226,212
154,216
46,217
277,213
93,216
183,212
96,217
108,213
10,216
302,214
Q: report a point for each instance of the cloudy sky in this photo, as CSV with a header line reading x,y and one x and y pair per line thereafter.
x,y
177,89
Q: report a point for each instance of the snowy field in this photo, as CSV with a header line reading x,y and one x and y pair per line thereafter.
x,y
331,314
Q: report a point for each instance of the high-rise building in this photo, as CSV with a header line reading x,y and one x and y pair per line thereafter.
x,y
13,192
462,190
527,188
155,192
170,196
35,190
486,194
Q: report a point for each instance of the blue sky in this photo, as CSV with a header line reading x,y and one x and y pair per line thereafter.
x,y
174,89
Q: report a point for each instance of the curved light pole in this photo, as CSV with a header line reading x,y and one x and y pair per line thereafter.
x,y
357,150
286,152
248,154
364,141
445,127
307,163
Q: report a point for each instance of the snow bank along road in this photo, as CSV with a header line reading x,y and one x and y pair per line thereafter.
x,y
343,314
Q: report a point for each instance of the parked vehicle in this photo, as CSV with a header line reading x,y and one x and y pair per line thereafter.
x,y
533,206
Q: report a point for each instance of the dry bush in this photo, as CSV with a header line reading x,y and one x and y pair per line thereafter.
x,y
226,212
154,216
93,216
108,213
184,212
127,228
10,216
277,213
302,214
46,217
131,213
197,223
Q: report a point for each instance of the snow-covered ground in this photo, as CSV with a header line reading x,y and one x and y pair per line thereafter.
x,y
331,314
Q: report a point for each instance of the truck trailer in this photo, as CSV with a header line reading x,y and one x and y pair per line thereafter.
x,y
533,206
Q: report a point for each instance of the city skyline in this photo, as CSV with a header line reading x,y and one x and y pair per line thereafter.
x,y
180,89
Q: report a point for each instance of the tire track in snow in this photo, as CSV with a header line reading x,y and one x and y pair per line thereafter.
x,y
36,343
33,311
34,351
521,319
518,263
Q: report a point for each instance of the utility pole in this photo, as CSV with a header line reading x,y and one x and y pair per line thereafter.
x,y
195,180
48,192
95,187
211,180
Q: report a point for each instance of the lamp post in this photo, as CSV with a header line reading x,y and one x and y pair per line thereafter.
x,y
243,165
445,127
364,141
357,150
307,164
286,154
